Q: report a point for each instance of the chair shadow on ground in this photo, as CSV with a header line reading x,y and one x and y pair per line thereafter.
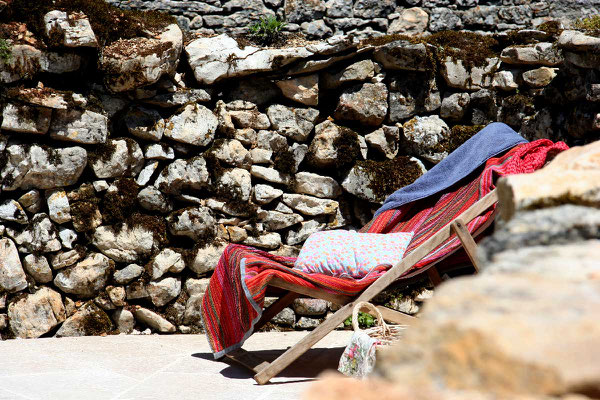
x,y
308,366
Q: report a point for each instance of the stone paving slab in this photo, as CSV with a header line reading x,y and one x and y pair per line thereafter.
x,y
147,367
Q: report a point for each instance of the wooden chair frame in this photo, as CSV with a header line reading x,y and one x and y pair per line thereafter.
x,y
265,370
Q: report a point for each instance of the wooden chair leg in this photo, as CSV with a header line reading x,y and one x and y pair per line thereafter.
x,y
275,309
467,241
434,276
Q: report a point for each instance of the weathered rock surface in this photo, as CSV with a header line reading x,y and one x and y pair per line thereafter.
x,y
366,104
295,123
74,28
572,177
206,258
87,321
133,63
357,72
183,174
195,124
153,320
309,205
402,55
119,157
38,268
163,291
194,223
87,278
128,274
39,236
12,211
35,314
316,185
41,167
411,21
304,89
12,277
457,76
423,135
79,126
125,243
167,260
26,119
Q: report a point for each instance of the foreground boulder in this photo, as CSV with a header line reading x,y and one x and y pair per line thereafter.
x,y
87,278
87,321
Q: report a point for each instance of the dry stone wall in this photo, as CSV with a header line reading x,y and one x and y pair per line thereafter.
x,y
320,19
127,166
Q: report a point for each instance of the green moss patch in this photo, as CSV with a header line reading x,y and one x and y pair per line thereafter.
x,y
390,175
552,28
108,22
347,148
156,225
460,134
590,25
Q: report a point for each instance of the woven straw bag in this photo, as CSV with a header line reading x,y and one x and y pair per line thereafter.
x,y
360,355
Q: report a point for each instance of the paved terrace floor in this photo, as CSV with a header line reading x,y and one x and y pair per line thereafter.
x,y
154,367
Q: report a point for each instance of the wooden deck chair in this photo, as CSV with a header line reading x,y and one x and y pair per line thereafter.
x,y
264,371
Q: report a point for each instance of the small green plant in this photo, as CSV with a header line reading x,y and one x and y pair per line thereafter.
x,y
590,25
5,51
267,30
364,320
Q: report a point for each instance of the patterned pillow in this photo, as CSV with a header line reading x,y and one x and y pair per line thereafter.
x,y
349,253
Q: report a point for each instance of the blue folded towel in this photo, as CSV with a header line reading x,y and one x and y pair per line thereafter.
x,y
492,140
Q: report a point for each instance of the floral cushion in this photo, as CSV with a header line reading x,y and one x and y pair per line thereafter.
x,y
351,254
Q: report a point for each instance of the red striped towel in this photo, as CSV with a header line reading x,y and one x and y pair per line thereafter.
x,y
234,300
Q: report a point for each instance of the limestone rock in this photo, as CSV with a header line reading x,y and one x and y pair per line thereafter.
x,y
119,157
153,320
235,183
145,123
456,75
11,211
509,330
411,21
41,167
264,194
60,62
358,72
422,135
573,177
39,236
136,290
31,200
261,156
163,291
166,261
36,314
504,80
307,323
89,320
269,241
539,77
125,243
309,205
74,29
128,274
316,185
231,152
79,126
385,140
402,55
179,98
323,149
306,229
309,307
275,220
192,314
269,174
365,104
24,61
124,320
12,277
87,278
38,268
455,105
304,89
64,259
159,151
358,183
67,237
58,206
183,174
578,41
195,223
26,118
408,99
218,57
132,63
557,225
295,123
539,54
154,200
206,258
196,286
195,124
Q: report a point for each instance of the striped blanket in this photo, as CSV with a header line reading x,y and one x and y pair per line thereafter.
x,y
234,300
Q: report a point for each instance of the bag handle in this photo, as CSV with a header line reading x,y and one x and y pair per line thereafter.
x,y
373,311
